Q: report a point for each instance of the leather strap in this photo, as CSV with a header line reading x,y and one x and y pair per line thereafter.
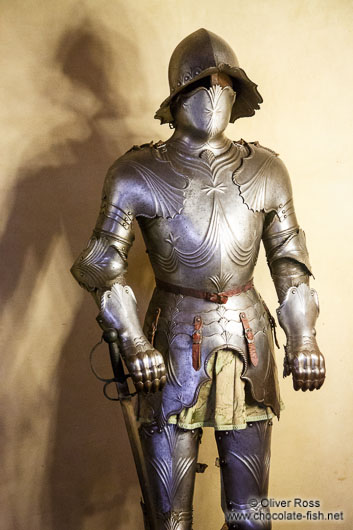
x,y
272,323
196,343
154,326
249,335
217,298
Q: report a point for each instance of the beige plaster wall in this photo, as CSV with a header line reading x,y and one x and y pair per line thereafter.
x,y
80,81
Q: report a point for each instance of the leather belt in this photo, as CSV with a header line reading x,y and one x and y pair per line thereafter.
x,y
217,298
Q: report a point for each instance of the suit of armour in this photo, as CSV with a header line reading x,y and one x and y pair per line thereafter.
x,y
204,203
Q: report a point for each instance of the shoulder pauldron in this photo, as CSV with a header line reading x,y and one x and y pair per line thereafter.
x,y
253,174
165,185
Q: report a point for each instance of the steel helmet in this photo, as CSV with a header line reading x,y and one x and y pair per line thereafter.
x,y
199,55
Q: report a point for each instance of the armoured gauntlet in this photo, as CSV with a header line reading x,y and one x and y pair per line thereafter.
x,y
299,306
101,269
297,316
145,364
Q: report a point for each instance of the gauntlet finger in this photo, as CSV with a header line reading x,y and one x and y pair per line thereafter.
x,y
139,386
315,384
155,385
147,386
299,374
161,370
136,374
297,382
154,369
314,381
314,377
321,380
160,378
315,360
310,371
322,371
162,382
320,383
134,368
304,385
146,367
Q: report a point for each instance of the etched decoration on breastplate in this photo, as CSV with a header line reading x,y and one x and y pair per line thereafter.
x,y
219,236
166,184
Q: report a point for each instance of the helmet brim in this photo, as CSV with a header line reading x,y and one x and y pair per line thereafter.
x,y
247,101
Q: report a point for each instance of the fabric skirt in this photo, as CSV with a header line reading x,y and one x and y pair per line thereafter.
x,y
223,402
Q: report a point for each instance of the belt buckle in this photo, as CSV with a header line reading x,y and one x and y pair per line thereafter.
x,y
218,298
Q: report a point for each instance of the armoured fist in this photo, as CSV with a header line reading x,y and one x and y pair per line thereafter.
x,y
297,315
306,364
144,363
146,366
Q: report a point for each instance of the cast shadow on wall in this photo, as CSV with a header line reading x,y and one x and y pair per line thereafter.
x,y
89,469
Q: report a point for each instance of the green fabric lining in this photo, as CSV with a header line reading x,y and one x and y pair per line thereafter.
x,y
222,402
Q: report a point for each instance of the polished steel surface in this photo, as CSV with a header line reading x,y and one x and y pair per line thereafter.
x,y
144,363
244,460
297,315
171,459
202,54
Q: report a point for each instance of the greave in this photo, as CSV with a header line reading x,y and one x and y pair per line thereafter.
x,y
244,458
171,459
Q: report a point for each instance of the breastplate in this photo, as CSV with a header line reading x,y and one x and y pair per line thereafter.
x,y
210,239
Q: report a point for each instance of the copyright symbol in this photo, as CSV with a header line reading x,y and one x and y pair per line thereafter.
x,y
253,503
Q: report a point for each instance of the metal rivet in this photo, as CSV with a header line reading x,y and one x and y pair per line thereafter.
x,y
285,217
109,295
179,83
281,205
